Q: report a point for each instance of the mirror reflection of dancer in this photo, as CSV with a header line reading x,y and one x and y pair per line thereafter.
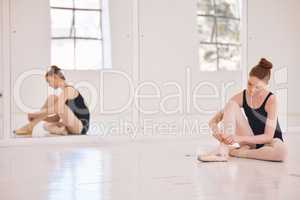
x,y
258,134
63,114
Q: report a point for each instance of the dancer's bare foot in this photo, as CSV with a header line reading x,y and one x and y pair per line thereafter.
x,y
58,130
236,152
25,130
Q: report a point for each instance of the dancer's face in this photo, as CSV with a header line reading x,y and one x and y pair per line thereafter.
x,y
53,81
255,85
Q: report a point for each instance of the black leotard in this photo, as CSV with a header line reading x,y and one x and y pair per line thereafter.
x,y
81,111
257,118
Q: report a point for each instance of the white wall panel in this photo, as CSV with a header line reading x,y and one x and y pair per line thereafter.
x,y
167,47
274,34
1,70
169,55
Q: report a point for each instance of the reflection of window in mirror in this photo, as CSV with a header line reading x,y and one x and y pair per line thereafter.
x,y
80,34
219,27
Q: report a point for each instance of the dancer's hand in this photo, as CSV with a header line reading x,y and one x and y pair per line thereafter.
x,y
31,116
229,139
218,136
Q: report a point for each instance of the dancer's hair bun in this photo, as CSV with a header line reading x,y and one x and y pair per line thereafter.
x,y
264,63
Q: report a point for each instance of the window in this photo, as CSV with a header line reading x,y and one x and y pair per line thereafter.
x,y
76,31
219,27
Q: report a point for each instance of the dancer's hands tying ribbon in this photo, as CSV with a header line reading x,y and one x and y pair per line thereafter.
x,y
231,139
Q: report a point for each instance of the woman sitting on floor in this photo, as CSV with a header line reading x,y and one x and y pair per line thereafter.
x,y
63,114
260,135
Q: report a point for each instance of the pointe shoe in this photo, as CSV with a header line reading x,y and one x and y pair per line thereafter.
x,y
23,131
220,154
213,158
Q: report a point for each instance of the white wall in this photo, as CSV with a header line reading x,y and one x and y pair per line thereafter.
x,y
273,32
291,58
4,60
1,68
167,46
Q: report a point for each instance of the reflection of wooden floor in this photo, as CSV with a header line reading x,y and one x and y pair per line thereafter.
x,y
34,136
38,136
150,169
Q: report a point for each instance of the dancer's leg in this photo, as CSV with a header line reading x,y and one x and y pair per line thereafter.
x,y
233,122
57,128
50,101
68,123
35,118
274,151
67,117
27,129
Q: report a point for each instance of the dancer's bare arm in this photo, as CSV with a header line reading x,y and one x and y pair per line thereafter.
x,y
52,118
213,125
214,121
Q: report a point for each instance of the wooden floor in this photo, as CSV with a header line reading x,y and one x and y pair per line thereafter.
x,y
150,169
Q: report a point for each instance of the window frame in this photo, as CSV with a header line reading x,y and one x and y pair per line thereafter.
x,y
243,37
74,39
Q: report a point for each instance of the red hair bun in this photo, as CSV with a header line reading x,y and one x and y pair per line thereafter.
x,y
264,63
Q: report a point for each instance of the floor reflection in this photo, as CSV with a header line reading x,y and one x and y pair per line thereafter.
x,y
79,175
142,169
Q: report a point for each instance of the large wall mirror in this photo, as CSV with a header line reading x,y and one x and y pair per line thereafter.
x,y
90,41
